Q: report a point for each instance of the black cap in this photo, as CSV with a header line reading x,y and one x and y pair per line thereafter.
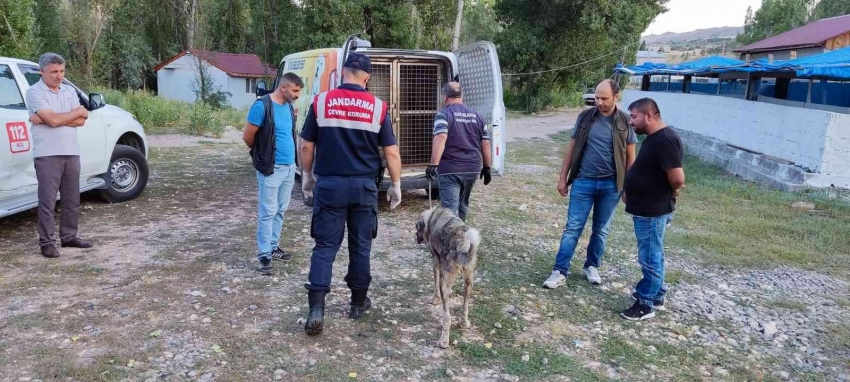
x,y
358,61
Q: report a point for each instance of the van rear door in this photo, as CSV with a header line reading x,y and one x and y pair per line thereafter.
x,y
481,82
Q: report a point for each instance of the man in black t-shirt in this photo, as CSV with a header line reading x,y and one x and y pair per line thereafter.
x,y
652,185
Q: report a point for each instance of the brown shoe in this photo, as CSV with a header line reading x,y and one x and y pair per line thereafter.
x,y
49,251
76,243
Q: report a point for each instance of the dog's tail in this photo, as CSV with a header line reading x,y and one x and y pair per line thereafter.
x,y
470,246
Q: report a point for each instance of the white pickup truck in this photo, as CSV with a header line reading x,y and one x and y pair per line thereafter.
x,y
113,146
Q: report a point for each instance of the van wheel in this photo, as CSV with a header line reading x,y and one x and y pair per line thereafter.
x,y
128,174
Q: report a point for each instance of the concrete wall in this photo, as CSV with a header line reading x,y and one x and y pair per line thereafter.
x,y
784,54
177,81
813,139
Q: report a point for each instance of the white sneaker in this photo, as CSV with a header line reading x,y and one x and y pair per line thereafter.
x,y
555,280
593,275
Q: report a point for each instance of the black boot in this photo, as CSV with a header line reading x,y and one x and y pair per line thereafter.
x,y
360,303
316,320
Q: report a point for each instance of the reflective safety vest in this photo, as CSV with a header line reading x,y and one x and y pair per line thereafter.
x,y
349,109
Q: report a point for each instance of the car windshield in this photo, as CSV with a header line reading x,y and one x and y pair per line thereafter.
x,y
10,95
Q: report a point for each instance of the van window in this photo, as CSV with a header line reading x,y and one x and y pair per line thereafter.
x,y
31,73
10,95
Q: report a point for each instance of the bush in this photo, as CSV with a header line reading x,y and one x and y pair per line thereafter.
x,y
204,120
234,117
154,112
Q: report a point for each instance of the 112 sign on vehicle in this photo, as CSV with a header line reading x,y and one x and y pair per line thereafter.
x,y
19,140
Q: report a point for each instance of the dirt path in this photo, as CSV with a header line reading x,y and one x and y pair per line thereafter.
x,y
170,292
540,125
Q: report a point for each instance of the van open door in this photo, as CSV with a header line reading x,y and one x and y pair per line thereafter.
x,y
481,84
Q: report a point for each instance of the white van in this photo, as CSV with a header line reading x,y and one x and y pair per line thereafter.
x,y
410,82
113,146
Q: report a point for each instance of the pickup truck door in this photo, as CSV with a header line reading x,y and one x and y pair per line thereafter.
x,y
481,83
17,171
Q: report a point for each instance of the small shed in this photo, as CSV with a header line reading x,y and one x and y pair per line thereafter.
x,y
238,74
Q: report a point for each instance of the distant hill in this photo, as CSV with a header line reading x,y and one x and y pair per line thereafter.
x,y
698,34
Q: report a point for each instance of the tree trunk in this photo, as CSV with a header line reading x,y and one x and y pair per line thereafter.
x,y
417,26
458,22
190,23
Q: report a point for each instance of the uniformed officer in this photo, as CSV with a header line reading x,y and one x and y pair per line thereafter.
x,y
344,128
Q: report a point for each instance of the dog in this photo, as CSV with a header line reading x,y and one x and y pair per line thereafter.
x,y
454,249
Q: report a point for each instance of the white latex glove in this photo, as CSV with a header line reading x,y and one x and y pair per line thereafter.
x,y
394,195
308,184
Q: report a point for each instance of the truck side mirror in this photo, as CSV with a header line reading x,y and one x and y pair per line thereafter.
x,y
261,89
96,101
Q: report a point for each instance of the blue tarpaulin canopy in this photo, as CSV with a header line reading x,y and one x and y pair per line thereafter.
x,y
835,64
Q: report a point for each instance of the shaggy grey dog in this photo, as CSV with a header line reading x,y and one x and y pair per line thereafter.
x,y
454,248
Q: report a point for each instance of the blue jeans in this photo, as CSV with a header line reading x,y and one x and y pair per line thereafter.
x,y
275,192
602,196
649,232
454,192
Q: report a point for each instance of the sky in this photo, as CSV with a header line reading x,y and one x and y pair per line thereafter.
x,y
688,15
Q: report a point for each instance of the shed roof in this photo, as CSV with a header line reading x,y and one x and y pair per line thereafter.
x,y
234,64
810,35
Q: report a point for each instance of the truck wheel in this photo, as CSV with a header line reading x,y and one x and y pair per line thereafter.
x,y
128,172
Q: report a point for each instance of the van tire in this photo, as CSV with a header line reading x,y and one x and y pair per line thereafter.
x,y
127,175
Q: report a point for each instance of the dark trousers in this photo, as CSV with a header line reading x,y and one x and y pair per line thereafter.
x,y
341,201
58,174
455,190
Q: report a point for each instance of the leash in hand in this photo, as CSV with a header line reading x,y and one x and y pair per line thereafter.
x,y
430,206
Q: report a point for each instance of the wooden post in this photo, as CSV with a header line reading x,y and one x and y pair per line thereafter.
x,y
644,82
686,84
809,93
669,78
753,84
781,90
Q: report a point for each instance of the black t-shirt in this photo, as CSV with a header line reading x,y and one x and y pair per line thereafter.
x,y
648,192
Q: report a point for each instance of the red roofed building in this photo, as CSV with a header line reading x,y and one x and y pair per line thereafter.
x,y
231,72
813,38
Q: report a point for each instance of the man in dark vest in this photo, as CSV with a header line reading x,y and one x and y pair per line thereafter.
x,y
270,134
345,129
460,151
600,152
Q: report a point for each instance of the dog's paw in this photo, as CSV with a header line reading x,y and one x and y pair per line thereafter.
x,y
465,325
443,344
436,301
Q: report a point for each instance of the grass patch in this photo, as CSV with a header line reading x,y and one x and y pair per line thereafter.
x,y
510,358
730,222
789,304
676,276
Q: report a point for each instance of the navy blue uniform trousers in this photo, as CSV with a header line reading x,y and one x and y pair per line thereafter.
x,y
340,201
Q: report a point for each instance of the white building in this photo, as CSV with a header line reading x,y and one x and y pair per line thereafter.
x,y
238,74
644,56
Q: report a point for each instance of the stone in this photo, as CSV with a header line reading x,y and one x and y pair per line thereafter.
x,y
252,307
523,207
498,325
770,329
195,293
206,320
193,317
450,373
802,206
526,357
784,375
545,361
311,362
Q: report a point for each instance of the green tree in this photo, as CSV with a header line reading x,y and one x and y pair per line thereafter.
x,y
17,28
230,28
479,22
548,35
51,23
831,8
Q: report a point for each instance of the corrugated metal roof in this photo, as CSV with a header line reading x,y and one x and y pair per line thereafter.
x,y
234,64
812,34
